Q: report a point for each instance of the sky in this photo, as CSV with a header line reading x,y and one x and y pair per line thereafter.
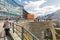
x,y
40,7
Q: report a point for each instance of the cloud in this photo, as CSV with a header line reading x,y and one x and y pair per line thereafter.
x,y
26,2
19,0
34,7
51,8
34,4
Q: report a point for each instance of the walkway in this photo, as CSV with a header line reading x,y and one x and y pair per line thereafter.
x,y
12,35
1,31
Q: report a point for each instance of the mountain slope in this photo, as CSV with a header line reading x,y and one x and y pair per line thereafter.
x,y
55,15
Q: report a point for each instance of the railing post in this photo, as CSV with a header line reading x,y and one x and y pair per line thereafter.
x,y
33,38
13,27
22,33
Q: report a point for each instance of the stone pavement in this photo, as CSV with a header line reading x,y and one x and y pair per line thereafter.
x,y
1,26
14,35
1,31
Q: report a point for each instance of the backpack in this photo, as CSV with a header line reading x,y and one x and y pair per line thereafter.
x,y
4,24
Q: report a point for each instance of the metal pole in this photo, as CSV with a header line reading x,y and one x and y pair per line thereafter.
x,y
22,33
33,38
13,27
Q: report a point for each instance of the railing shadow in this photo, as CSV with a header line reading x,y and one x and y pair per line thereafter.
x,y
9,37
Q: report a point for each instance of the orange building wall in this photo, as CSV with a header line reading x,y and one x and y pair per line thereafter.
x,y
30,16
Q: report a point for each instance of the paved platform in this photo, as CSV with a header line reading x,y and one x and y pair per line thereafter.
x,y
14,35
1,26
1,31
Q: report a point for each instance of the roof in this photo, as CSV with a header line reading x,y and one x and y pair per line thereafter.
x,y
12,2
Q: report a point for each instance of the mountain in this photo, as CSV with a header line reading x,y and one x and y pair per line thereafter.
x,y
48,16
54,15
45,17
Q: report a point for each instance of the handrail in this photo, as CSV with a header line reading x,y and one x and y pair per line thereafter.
x,y
32,35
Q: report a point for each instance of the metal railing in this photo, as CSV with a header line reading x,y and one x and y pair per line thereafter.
x,y
23,33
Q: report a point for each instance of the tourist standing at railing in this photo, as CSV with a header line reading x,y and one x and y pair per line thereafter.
x,y
6,26
14,22
17,20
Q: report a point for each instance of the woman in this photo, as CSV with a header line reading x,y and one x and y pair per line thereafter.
x,y
6,26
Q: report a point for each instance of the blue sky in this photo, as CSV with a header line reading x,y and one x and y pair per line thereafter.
x,y
40,7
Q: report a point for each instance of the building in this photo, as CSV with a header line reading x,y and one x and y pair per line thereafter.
x,y
25,13
30,16
10,8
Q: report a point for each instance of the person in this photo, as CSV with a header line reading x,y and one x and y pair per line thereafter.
x,y
17,20
13,22
6,26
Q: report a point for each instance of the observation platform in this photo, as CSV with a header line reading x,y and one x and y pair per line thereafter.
x,y
19,32
16,32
